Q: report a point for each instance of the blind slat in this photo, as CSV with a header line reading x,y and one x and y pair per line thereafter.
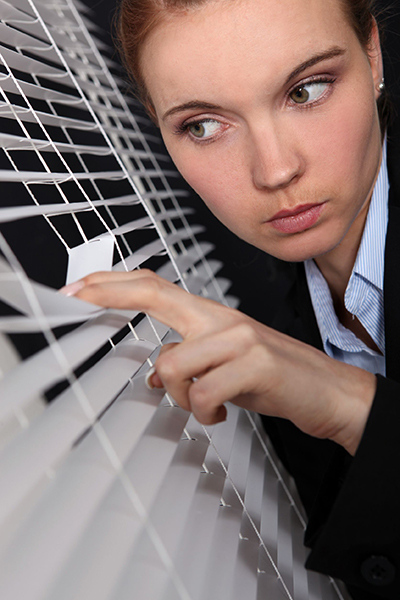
x,y
204,273
154,248
240,453
85,483
285,547
299,557
183,474
35,450
42,370
92,570
17,291
223,285
204,510
225,541
11,11
244,580
82,69
13,37
37,91
30,65
15,142
25,114
12,111
255,480
269,512
54,18
17,14
23,212
43,177
232,301
143,222
222,439
185,261
196,282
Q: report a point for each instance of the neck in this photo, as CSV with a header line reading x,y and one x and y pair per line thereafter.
x,y
336,266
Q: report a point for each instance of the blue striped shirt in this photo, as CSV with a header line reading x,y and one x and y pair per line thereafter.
x,y
364,293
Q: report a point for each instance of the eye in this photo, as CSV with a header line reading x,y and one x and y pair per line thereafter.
x,y
204,129
309,92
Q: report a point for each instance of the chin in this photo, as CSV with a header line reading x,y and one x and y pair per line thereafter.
x,y
301,247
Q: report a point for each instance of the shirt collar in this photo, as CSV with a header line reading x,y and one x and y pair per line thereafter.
x,y
370,260
367,274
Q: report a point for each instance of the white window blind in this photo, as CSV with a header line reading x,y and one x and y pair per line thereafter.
x,y
110,491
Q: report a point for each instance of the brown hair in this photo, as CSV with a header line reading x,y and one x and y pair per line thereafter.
x,y
136,19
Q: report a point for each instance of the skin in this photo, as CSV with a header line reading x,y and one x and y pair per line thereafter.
x,y
263,153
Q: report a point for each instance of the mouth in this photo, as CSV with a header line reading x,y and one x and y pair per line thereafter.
x,y
297,219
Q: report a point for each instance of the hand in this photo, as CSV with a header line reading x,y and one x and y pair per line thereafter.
x,y
227,356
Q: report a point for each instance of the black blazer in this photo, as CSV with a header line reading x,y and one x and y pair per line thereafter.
x,y
353,504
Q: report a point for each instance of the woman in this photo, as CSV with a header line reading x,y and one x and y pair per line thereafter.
x,y
269,110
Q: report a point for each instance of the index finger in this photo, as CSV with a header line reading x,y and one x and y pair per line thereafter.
x,y
145,291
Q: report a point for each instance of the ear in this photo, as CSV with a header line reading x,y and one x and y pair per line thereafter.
x,y
375,58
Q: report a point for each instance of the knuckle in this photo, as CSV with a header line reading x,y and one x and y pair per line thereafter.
x,y
246,333
147,273
203,405
152,287
98,279
152,280
90,279
207,419
167,367
148,293
168,347
201,398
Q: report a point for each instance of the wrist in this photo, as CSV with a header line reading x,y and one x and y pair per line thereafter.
x,y
353,408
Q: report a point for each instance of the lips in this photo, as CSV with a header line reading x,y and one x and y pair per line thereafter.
x,y
298,219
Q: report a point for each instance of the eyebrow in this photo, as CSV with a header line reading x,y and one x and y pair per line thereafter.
x,y
193,105
199,105
314,60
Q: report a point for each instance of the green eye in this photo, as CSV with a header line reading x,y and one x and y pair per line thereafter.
x,y
197,129
300,95
309,92
205,129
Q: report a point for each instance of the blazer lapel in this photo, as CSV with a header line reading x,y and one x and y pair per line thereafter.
x,y
392,259
305,310
296,316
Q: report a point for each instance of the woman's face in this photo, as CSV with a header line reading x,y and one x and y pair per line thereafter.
x,y
268,110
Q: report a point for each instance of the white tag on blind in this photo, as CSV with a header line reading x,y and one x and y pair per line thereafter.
x,y
96,255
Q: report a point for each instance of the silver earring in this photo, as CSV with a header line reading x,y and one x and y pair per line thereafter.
x,y
381,86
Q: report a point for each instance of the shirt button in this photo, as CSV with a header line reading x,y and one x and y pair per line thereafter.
x,y
378,570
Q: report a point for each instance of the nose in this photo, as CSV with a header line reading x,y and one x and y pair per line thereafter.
x,y
276,161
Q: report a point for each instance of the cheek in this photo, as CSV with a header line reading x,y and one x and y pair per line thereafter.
x,y
346,144
216,181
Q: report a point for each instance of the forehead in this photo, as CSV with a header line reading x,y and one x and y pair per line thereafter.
x,y
220,43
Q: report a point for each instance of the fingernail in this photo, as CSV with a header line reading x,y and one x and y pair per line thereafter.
x,y
72,288
147,379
